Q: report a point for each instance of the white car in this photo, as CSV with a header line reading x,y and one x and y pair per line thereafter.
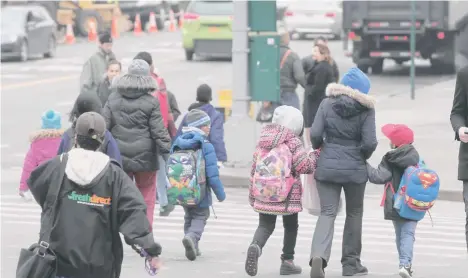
x,y
314,18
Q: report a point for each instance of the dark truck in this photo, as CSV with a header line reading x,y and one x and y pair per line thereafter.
x,y
379,30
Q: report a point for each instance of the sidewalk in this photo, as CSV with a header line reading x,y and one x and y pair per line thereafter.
x,y
428,115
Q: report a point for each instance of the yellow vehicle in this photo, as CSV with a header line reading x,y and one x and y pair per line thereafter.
x,y
79,13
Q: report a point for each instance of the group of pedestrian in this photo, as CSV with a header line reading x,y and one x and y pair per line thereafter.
x,y
114,156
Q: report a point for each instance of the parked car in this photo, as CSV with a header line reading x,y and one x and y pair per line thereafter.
x,y
314,18
207,29
27,31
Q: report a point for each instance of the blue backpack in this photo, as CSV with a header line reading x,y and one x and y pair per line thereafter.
x,y
417,192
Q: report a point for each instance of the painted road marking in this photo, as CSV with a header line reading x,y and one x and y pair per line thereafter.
x,y
39,82
64,103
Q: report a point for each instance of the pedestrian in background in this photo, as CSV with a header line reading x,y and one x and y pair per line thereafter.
x,y
390,171
216,136
193,138
133,116
95,68
344,130
104,88
317,81
44,145
96,202
308,62
459,120
282,137
170,113
88,102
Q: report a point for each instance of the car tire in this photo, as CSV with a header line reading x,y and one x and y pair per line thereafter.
x,y
189,55
377,67
364,68
24,51
52,47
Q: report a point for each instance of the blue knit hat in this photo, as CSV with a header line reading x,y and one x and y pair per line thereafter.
x,y
356,80
51,120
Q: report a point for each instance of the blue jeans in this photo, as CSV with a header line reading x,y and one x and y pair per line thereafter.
x,y
404,232
161,182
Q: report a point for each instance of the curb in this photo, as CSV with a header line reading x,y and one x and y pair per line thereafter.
x,y
235,181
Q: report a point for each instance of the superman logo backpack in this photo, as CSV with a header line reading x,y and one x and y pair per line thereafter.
x,y
417,192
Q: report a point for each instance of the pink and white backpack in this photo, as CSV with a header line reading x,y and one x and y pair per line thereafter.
x,y
273,180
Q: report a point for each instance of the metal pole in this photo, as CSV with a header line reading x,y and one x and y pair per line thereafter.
x,y
240,56
413,48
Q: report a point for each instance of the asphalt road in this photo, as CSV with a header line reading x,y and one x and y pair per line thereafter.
x,y
439,249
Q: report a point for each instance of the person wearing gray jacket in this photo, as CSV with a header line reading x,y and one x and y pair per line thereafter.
x,y
291,74
95,68
344,130
133,116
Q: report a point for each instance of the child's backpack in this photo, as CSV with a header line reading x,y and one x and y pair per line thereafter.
x,y
417,192
272,180
187,178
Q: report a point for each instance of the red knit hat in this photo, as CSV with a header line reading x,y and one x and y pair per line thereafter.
x,y
398,134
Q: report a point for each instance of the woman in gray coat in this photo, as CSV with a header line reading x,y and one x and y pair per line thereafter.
x,y
344,129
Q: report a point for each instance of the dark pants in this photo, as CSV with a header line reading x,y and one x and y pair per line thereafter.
x,y
329,194
465,199
195,221
266,226
290,99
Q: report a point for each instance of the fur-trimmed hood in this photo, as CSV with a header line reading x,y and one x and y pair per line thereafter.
x,y
46,133
347,101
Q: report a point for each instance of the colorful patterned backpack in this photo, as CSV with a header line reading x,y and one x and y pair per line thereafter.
x,y
272,180
417,192
187,178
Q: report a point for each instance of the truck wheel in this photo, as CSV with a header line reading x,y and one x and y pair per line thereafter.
x,y
377,68
188,55
442,68
363,68
83,17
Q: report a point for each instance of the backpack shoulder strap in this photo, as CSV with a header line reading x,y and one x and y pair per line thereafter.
x,y
285,56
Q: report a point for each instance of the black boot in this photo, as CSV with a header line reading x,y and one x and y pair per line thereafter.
x,y
251,263
359,271
288,268
190,250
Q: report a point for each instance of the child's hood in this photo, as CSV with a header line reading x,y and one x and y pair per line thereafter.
x,y
84,167
403,156
189,140
46,133
273,135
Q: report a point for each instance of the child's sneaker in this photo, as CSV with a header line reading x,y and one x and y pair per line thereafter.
x,y
166,210
405,272
251,263
190,250
26,195
288,268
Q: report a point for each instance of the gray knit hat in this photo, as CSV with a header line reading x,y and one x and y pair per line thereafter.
x,y
138,77
197,118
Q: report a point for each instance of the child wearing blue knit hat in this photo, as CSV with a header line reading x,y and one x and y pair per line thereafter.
x,y
44,146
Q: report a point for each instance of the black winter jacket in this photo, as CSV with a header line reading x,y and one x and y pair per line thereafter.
x,y
97,201
344,129
134,119
391,169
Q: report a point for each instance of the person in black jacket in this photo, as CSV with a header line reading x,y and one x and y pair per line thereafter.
x,y
308,62
97,201
104,89
133,116
317,81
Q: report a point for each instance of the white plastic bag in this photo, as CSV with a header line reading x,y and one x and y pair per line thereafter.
x,y
310,197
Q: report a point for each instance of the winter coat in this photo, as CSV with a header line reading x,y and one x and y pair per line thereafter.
x,y
97,202
194,141
292,72
317,81
459,118
134,119
109,146
308,63
44,145
344,129
94,70
303,162
216,136
390,170
104,90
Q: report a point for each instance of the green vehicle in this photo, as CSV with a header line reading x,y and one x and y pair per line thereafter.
x,y
207,29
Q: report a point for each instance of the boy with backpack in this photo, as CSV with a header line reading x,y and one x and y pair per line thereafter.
x,y
192,172
405,177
